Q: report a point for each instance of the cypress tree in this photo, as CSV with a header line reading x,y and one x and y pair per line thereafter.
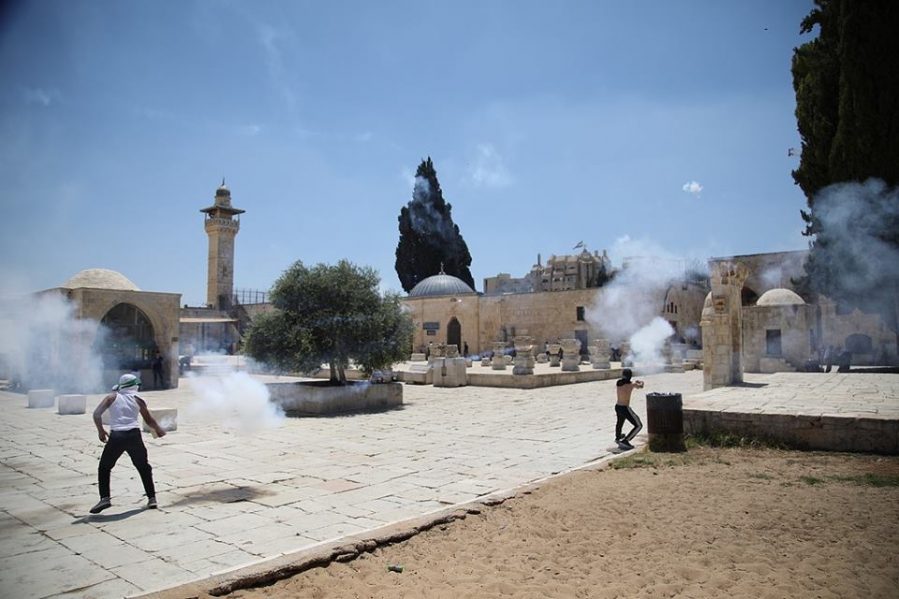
x,y
847,110
428,236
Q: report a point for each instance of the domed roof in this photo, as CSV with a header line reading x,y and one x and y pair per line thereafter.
x,y
440,284
100,278
780,297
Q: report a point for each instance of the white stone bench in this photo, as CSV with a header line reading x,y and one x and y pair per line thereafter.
x,y
41,398
71,404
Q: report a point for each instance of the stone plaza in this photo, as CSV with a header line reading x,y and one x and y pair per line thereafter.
x,y
232,501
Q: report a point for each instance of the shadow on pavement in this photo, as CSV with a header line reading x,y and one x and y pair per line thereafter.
x,y
109,517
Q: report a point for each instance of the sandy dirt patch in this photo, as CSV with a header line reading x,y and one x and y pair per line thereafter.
x,y
753,523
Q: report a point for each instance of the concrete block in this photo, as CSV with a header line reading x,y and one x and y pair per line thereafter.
x,y
41,398
71,404
166,417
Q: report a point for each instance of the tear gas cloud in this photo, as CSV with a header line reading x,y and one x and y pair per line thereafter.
x,y
232,398
44,345
857,220
628,307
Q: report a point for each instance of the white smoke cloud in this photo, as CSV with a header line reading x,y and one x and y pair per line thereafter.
x,y
232,398
489,169
44,345
693,187
857,219
627,308
647,344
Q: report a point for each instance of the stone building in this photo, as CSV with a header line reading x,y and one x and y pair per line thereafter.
x,y
754,320
446,310
128,326
560,273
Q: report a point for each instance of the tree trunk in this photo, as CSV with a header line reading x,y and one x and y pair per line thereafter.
x,y
334,375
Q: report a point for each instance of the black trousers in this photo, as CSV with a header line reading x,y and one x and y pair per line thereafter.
x,y
118,443
626,413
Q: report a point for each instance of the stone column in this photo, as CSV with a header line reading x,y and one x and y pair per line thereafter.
x,y
722,326
571,355
524,358
599,354
554,349
499,356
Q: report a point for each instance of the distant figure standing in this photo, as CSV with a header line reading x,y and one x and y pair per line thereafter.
x,y
828,358
157,371
623,411
465,351
124,405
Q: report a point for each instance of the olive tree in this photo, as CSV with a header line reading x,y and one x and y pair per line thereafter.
x,y
331,314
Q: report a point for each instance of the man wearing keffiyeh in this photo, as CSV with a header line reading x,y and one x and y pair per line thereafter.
x,y
124,405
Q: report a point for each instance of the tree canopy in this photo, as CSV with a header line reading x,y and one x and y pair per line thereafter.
x,y
330,314
847,110
428,236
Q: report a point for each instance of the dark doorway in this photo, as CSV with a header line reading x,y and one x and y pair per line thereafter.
x,y
129,343
582,337
454,333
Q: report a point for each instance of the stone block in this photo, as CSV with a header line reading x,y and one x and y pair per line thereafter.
x,y
450,372
166,417
41,398
71,404
418,358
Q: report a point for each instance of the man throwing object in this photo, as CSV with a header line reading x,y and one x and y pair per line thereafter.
x,y
124,435
623,411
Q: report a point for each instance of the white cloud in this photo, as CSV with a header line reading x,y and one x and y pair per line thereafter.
x,y
37,95
271,40
693,187
489,169
250,130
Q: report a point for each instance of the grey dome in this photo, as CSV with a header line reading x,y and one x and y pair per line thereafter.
x,y
100,278
441,284
779,297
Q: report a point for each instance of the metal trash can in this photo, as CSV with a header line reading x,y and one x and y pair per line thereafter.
x,y
665,421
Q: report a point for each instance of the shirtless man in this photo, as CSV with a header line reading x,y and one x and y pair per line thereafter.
x,y
625,386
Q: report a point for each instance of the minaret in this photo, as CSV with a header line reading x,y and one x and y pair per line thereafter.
x,y
221,227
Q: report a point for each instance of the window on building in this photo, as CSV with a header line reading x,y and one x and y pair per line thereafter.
x,y
772,342
580,313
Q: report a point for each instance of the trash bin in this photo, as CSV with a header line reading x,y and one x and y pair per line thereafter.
x,y
665,421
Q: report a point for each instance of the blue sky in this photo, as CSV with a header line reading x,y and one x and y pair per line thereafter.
x,y
549,123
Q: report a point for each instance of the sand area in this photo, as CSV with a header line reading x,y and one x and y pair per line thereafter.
x,y
759,523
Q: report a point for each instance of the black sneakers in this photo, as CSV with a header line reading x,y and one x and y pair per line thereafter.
x,y
151,503
623,444
101,505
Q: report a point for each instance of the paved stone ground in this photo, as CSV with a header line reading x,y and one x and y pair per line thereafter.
x,y
228,499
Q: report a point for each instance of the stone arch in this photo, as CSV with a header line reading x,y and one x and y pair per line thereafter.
x,y
454,333
128,339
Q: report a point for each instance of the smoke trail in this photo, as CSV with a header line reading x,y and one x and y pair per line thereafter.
x,y
44,345
233,398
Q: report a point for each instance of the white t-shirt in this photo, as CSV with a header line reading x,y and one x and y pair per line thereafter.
x,y
123,412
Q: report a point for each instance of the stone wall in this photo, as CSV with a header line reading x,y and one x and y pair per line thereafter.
x,y
795,323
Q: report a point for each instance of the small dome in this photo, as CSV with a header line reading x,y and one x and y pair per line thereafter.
x,y
100,278
440,284
780,297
